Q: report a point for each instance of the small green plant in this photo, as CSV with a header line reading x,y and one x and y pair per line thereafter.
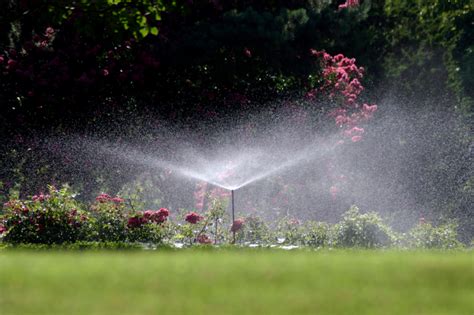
x,y
254,231
362,230
290,231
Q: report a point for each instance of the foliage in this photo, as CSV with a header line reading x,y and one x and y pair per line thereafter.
x,y
317,234
79,245
57,218
109,219
425,235
309,233
362,230
254,231
52,218
434,40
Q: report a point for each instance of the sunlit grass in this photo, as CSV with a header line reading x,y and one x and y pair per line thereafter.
x,y
236,282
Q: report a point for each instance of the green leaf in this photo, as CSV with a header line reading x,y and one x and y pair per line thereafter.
x,y
144,31
154,30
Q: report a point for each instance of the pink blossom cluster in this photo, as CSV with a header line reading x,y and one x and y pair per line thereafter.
x,y
148,216
342,78
193,217
40,198
104,198
349,4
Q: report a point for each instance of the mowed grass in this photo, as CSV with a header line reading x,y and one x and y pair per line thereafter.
x,y
237,282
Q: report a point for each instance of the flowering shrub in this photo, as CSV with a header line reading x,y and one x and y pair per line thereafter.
x,y
109,219
341,81
425,235
362,230
147,226
57,218
54,218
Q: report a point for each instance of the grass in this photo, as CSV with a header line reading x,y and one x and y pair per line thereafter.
x,y
236,282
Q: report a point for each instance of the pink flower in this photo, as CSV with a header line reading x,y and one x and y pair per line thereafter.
x,y
237,225
49,31
148,214
118,200
193,218
162,214
334,191
102,198
349,4
355,131
247,52
40,197
356,138
135,221
2,229
2,59
105,72
369,109
314,52
11,64
311,94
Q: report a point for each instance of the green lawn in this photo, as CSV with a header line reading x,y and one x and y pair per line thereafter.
x,y
237,282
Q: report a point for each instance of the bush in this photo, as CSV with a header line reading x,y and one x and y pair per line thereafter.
x,y
425,235
309,233
147,226
362,230
316,234
53,218
109,219
254,231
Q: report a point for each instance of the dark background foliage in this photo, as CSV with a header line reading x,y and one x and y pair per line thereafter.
x,y
68,66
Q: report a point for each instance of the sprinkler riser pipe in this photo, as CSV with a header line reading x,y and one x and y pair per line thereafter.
x,y
233,216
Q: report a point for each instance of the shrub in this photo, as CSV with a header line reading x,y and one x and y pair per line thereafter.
x,y
147,226
425,235
254,231
316,234
289,231
52,218
109,219
362,230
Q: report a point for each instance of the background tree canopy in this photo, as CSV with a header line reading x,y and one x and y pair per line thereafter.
x,y
65,65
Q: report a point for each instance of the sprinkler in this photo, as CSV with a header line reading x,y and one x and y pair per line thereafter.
x,y
233,206
233,216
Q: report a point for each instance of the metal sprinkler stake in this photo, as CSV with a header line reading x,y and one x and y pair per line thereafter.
x,y
233,217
